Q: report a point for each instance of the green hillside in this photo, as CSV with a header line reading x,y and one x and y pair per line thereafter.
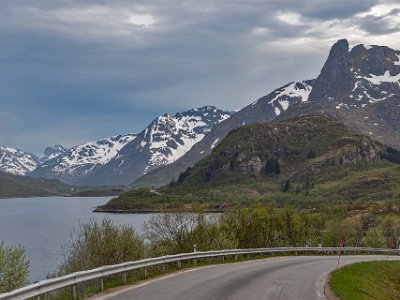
x,y
304,161
23,186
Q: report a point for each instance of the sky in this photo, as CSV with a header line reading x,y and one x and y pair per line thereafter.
x,y
73,71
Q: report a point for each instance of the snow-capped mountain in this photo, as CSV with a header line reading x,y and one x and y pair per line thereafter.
x,y
169,137
17,162
52,152
266,108
360,87
82,160
165,140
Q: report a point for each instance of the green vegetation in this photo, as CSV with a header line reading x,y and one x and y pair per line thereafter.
x,y
14,268
378,280
305,162
23,186
96,244
12,186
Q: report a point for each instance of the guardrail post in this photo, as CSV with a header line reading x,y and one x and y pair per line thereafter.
x,y
194,261
102,283
223,257
179,264
163,268
236,257
73,290
124,277
145,272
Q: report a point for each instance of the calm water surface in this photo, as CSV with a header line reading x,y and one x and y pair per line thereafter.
x,y
43,225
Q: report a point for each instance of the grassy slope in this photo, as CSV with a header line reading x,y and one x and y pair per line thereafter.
x,y
368,281
218,177
22,186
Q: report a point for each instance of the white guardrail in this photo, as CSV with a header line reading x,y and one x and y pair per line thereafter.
x,y
71,280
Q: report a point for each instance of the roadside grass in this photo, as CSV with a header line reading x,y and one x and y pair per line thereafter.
x,y
367,281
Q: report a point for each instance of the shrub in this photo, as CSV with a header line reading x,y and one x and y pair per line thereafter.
x,y
14,268
97,244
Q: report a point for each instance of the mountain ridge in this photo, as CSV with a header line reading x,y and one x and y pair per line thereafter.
x,y
360,87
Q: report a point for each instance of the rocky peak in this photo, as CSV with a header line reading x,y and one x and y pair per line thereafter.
x,y
52,152
335,78
352,79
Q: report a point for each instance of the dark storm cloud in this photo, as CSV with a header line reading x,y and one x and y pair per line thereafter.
x,y
72,71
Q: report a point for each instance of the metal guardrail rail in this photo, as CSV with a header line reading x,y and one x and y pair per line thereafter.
x,y
71,280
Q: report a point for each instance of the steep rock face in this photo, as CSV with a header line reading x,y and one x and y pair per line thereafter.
x,y
17,162
356,78
80,161
165,140
336,77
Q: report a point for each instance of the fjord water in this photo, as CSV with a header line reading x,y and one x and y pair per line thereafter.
x,y
43,226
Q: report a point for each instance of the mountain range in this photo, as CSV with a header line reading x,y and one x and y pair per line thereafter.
x,y
360,87
117,160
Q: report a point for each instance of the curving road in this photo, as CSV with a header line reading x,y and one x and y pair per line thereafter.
x,y
294,277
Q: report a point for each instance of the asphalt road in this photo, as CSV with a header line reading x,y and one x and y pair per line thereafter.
x,y
295,277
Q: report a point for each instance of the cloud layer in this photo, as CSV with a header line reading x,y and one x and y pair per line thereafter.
x,y
72,71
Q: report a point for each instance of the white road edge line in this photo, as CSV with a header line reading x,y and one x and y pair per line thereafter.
x,y
135,286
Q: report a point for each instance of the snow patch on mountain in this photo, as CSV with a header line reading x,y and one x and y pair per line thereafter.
x,y
297,91
81,160
214,143
170,137
386,77
17,162
293,90
52,152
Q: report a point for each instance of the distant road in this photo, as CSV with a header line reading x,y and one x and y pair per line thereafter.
x,y
294,277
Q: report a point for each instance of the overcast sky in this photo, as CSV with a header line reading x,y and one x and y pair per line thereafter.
x,y
72,71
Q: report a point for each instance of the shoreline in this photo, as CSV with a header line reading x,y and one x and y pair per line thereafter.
x,y
154,211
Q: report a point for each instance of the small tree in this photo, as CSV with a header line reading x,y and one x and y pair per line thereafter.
x,y
14,268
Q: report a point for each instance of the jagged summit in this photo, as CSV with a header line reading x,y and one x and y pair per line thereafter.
x,y
52,152
356,77
335,77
